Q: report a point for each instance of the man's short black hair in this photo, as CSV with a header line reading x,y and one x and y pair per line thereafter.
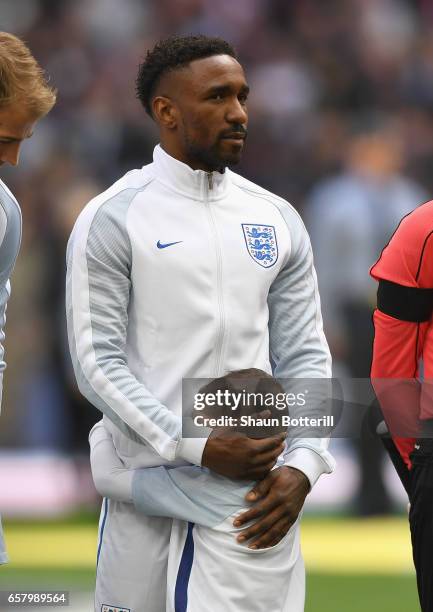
x,y
172,53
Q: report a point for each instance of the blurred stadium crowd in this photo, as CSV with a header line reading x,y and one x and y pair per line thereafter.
x,y
341,125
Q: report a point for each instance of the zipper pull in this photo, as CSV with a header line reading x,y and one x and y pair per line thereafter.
x,y
210,180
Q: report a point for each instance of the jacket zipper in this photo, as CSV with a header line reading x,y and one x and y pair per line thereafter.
x,y
220,336
209,181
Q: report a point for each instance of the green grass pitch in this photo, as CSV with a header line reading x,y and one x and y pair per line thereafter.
x,y
352,565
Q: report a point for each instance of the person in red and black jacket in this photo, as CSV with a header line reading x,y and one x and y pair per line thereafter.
x,y
402,374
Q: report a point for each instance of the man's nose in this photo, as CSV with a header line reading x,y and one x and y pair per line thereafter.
x,y
10,154
237,113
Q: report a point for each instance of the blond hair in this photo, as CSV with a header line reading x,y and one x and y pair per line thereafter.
x,y
22,80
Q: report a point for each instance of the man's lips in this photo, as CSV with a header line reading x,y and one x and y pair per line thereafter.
x,y
234,136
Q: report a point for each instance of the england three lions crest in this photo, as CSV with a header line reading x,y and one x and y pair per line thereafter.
x,y
261,242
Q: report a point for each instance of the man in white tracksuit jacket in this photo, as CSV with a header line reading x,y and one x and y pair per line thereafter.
x,y
184,269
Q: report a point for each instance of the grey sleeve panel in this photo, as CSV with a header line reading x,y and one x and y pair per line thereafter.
x,y
10,235
102,372
189,493
297,343
298,346
87,390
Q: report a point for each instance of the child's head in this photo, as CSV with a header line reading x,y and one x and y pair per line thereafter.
x,y
251,397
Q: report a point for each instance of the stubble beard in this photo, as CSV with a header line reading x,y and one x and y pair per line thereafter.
x,y
210,157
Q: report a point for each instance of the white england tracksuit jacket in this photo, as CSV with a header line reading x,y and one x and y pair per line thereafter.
x,y
177,273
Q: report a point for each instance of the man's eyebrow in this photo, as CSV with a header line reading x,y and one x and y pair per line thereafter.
x,y
218,89
222,89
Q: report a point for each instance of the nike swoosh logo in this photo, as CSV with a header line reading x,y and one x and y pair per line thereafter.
x,y
161,245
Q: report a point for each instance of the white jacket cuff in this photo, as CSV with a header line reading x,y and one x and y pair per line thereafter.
x,y
310,463
191,449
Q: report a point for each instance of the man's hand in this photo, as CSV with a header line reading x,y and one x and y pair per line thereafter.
x,y
235,456
282,494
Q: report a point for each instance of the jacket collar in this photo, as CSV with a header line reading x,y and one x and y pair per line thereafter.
x,y
196,184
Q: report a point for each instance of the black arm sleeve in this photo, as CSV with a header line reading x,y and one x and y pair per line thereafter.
x,y
405,303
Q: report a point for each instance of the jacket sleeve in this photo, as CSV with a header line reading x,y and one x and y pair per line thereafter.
x,y
188,493
298,346
10,239
397,348
403,332
98,288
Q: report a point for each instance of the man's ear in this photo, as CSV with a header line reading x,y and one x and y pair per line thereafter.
x,y
165,112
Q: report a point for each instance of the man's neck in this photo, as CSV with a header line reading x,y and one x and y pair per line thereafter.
x,y
181,156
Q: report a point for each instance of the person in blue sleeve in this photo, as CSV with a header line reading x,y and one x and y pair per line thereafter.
x,y
25,97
